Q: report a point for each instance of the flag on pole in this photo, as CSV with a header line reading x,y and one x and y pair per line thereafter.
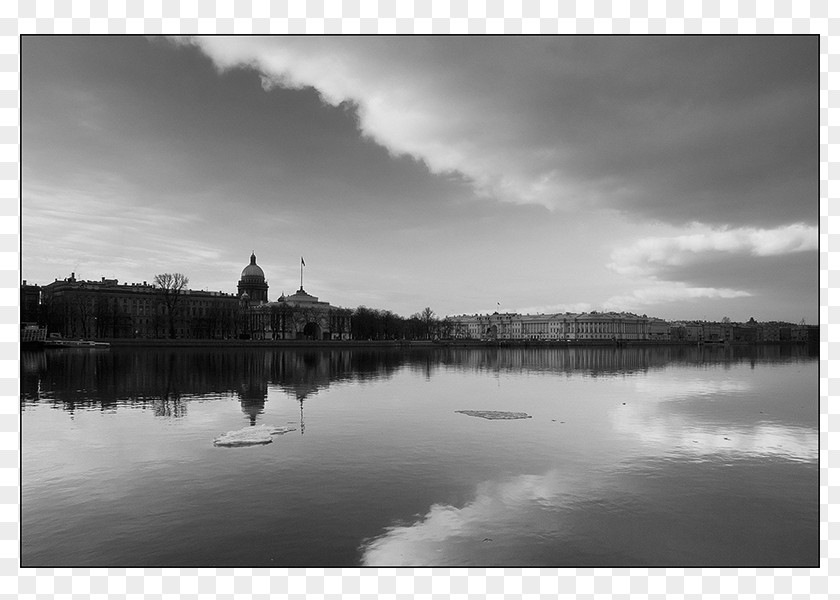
x,y
302,264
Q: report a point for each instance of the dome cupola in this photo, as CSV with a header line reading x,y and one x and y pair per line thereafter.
x,y
253,269
253,283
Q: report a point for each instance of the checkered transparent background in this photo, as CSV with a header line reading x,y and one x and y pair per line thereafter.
x,y
420,17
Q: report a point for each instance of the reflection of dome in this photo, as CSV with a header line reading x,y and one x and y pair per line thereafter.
x,y
253,269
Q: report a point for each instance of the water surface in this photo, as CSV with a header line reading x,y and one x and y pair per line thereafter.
x,y
632,456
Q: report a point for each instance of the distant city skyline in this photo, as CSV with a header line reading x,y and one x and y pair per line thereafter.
x,y
497,310
671,176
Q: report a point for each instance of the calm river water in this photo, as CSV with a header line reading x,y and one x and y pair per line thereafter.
x,y
635,456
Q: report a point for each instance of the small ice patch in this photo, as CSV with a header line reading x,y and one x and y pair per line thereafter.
x,y
494,414
250,436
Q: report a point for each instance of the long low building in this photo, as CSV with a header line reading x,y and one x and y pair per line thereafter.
x,y
109,309
615,326
106,308
559,326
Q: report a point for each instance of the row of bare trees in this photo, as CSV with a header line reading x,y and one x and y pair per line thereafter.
x,y
89,313
376,324
92,316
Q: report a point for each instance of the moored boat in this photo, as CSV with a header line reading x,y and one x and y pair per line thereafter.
x,y
32,335
62,343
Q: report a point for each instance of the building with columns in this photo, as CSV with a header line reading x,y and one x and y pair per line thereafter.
x,y
106,308
299,316
561,326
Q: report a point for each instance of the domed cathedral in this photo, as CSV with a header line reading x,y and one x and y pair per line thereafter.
x,y
252,283
300,316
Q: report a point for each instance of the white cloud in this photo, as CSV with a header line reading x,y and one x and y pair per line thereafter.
x,y
410,108
498,505
666,292
555,122
105,231
701,243
661,426
453,535
642,299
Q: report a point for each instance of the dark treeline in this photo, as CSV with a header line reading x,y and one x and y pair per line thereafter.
x,y
377,324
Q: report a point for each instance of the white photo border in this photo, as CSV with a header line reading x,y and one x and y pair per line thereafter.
x,y
417,17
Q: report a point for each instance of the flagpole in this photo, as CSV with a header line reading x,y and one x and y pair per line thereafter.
x,y
301,272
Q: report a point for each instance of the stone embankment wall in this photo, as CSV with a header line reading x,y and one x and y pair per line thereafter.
x,y
191,343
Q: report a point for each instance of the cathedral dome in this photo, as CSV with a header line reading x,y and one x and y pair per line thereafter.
x,y
252,286
253,269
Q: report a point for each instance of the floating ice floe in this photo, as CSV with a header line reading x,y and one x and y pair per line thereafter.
x,y
250,436
494,414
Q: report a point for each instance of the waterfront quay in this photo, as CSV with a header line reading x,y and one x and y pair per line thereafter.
x,y
460,343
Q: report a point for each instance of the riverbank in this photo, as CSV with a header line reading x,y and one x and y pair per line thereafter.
x,y
197,343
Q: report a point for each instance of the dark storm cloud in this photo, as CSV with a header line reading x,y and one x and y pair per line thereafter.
x,y
684,129
689,128
675,128
168,123
752,273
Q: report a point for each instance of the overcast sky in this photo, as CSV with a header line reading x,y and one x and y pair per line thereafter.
x,y
672,176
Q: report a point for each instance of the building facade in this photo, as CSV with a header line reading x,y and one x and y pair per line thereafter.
x,y
612,326
30,303
106,308
561,326
300,316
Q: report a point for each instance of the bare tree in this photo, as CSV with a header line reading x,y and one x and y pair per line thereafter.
x,y
81,314
279,315
427,317
171,287
447,327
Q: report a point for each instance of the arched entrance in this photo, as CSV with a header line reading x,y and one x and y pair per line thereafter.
x,y
311,331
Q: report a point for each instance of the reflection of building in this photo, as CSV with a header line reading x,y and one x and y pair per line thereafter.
x,y
252,400
169,407
253,386
299,316
304,373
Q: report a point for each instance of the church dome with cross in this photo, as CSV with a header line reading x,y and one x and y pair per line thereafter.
x,y
299,316
252,282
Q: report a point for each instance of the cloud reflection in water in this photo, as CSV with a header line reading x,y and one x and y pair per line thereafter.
x,y
693,486
474,533
676,417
